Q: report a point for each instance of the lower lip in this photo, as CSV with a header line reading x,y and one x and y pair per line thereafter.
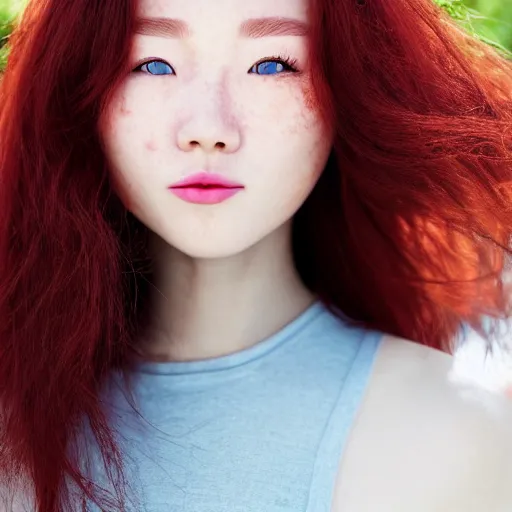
x,y
200,195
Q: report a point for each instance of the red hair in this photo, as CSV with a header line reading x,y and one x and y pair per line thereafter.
x,y
407,231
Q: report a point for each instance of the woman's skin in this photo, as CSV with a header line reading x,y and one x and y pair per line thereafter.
x,y
225,273
421,443
226,279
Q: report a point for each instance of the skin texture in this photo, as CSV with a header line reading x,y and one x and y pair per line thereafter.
x,y
450,452
212,114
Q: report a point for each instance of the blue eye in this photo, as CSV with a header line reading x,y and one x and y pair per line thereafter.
x,y
273,66
156,67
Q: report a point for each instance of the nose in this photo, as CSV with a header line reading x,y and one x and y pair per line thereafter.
x,y
209,137
210,124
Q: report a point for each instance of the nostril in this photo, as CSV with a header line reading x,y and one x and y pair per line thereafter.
x,y
206,143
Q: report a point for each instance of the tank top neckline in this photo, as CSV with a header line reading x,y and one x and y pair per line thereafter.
x,y
236,359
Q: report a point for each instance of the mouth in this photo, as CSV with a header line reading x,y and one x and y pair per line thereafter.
x,y
205,188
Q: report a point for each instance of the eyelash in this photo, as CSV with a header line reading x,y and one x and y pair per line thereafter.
x,y
289,62
285,59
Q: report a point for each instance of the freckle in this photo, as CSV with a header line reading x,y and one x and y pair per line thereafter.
x,y
151,145
309,95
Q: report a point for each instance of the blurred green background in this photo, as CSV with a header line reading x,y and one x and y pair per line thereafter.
x,y
491,20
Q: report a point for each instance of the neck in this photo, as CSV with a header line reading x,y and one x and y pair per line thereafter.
x,y
207,308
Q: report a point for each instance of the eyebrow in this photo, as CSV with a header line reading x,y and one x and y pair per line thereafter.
x,y
253,28
265,27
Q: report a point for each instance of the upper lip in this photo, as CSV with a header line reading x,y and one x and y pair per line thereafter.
x,y
206,179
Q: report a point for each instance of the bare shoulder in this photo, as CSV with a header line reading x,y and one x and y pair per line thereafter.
x,y
422,443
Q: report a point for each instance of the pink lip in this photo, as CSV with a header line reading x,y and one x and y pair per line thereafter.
x,y
205,188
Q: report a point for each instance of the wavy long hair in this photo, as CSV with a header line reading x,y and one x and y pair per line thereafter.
x,y
406,232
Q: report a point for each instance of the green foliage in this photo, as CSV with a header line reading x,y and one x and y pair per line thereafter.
x,y
6,25
488,20
495,21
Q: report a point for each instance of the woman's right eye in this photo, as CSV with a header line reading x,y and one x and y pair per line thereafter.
x,y
155,67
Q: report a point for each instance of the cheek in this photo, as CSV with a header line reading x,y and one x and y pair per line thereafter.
x,y
123,108
111,122
309,96
312,139
127,133
306,120
126,183
121,187
151,145
119,143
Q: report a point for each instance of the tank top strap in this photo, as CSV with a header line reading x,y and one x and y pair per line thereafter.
x,y
339,425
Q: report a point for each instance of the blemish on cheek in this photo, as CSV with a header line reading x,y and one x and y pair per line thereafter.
x,y
151,145
125,111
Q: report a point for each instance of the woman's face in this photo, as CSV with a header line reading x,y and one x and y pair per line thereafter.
x,y
218,88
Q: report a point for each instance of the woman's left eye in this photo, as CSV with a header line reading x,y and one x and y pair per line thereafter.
x,y
274,66
155,67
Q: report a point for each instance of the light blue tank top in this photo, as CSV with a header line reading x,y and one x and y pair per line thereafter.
x,y
261,430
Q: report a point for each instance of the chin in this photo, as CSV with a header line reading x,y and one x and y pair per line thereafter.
x,y
211,248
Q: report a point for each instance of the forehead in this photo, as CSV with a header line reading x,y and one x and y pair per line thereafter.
x,y
222,11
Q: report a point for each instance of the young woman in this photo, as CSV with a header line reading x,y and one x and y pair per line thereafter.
x,y
220,221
